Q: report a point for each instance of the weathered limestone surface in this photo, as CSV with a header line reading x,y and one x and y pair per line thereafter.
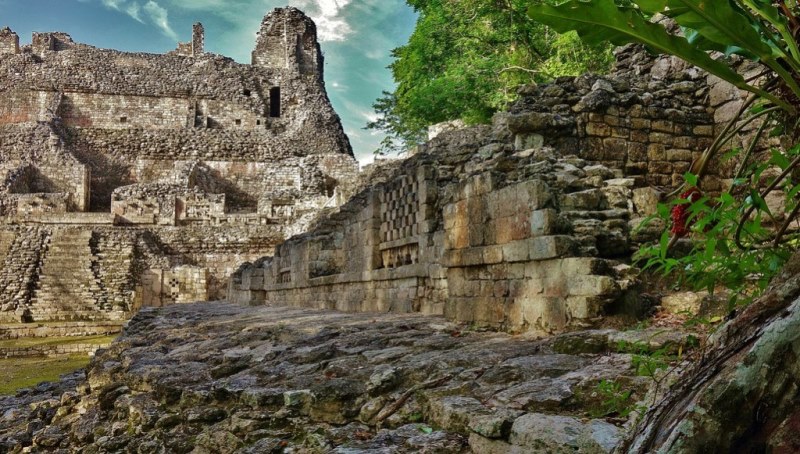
x,y
215,377
130,179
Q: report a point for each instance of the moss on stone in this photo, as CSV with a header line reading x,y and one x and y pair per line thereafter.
x,y
19,373
52,341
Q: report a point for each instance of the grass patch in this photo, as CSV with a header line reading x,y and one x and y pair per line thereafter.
x,y
18,373
45,341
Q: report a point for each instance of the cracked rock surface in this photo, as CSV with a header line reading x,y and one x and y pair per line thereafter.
x,y
215,377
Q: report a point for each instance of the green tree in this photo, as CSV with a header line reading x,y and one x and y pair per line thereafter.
x,y
467,58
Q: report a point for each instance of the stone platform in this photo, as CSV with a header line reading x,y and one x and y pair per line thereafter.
x,y
215,377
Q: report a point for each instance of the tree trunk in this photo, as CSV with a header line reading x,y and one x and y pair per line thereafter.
x,y
743,395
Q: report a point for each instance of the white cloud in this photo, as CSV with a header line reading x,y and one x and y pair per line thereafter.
x,y
114,4
133,10
329,16
158,14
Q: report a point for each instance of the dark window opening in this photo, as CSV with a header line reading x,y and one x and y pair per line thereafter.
x,y
246,92
258,122
123,119
238,122
275,102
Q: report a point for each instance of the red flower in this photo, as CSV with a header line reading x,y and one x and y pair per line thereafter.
x,y
680,213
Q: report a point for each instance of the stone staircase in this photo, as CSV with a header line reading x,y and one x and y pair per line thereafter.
x,y
115,265
68,288
20,264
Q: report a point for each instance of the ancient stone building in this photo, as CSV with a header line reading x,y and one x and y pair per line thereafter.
x,y
131,179
524,225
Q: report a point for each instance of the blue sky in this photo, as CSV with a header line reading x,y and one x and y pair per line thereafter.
x,y
356,36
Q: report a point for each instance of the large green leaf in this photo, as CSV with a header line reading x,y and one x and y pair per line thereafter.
x,y
601,20
768,12
719,21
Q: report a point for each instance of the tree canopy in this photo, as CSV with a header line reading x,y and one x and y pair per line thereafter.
x,y
466,59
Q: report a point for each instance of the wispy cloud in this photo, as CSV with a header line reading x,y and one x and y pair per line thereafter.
x,y
159,16
133,10
114,4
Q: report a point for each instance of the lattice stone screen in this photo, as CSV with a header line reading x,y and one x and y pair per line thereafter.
x,y
405,204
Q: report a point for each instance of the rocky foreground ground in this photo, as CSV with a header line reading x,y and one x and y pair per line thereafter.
x,y
215,377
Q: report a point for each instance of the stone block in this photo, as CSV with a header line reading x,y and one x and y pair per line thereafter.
x,y
533,195
548,247
590,199
476,235
503,203
703,130
637,151
683,302
449,215
721,91
529,122
659,167
615,148
489,310
542,313
485,183
527,141
685,142
517,251
472,256
726,112
476,210
490,232
544,222
590,285
640,123
552,433
675,154
656,152
621,132
598,129
584,307
504,230
612,120
492,255
453,413
660,137
485,445
662,126
645,200
460,309
457,237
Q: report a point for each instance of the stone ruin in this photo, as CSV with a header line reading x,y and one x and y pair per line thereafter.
x,y
526,225
135,179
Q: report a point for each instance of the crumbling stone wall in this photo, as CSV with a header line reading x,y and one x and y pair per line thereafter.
x,y
494,248
523,225
156,174
9,41
652,129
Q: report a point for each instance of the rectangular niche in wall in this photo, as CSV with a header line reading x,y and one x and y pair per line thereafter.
x,y
275,102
